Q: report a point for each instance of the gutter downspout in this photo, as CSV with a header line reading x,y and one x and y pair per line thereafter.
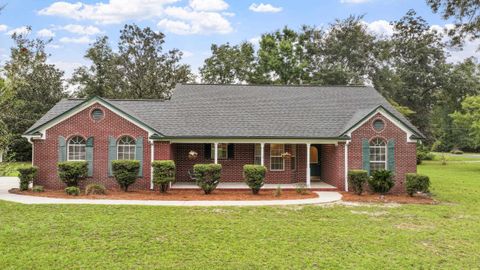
x,y
346,165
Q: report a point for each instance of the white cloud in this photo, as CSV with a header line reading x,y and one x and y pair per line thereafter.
x,y
264,8
114,11
187,21
81,29
255,40
3,27
208,5
380,28
47,33
19,31
354,1
228,14
67,67
77,40
187,54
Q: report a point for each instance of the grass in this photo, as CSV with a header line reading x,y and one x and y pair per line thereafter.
x,y
10,168
310,237
453,157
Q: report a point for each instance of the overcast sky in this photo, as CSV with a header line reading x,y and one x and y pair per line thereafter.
x,y
190,25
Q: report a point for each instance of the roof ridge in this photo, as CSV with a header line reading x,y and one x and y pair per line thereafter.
x,y
119,99
280,85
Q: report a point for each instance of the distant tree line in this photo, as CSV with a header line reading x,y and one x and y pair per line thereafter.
x,y
409,68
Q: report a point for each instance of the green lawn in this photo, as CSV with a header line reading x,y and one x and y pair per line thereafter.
x,y
10,168
311,237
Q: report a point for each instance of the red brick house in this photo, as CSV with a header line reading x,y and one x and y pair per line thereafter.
x,y
302,134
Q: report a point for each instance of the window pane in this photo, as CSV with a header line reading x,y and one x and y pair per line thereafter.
x,y
276,163
378,150
222,151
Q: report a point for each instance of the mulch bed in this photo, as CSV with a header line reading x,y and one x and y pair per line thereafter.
x,y
176,195
389,198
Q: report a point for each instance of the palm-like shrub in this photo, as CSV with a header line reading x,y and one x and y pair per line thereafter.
x,y
125,172
71,172
254,176
381,181
207,176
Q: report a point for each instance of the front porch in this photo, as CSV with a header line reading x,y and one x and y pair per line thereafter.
x,y
316,186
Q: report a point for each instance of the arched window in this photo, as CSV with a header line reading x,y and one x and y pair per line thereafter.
x,y
378,155
126,148
76,148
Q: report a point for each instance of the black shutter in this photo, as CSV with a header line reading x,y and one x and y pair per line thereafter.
x,y
231,151
207,151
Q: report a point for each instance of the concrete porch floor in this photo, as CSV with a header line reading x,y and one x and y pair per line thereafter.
x,y
240,185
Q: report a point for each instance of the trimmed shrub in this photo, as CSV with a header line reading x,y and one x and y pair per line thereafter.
x,y
278,191
26,175
456,152
357,180
71,172
163,174
254,176
417,183
301,188
381,181
207,176
73,191
125,172
423,154
95,189
38,189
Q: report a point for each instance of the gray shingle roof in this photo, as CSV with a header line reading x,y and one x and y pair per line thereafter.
x,y
198,110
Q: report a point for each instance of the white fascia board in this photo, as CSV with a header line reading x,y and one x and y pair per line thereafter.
x,y
254,140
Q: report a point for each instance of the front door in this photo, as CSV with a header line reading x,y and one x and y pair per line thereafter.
x,y
314,162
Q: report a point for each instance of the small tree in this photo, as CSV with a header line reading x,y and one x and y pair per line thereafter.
x,y
357,180
381,181
163,174
26,175
207,176
125,172
254,176
71,172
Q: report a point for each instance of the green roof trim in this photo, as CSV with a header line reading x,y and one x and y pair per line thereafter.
x,y
415,135
99,99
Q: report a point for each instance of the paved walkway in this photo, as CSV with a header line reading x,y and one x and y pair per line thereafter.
x,y
7,183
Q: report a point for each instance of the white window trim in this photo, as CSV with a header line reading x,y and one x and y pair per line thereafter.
x,y
386,153
134,145
259,156
280,156
68,148
212,151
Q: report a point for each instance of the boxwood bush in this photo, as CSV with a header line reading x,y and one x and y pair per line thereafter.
x,y
73,191
163,174
95,189
357,180
71,172
38,189
417,183
26,175
381,181
207,176
125,172
254,176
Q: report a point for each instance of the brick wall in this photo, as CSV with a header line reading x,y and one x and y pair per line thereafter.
x,y
332,166
46,151
405,152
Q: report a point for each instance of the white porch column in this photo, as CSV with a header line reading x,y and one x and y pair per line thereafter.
x,y
308,165
262,154
346,165
152,158
216,153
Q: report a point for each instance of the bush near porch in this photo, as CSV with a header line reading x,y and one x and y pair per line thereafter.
x,y
125,172
254,176
207,176
163,174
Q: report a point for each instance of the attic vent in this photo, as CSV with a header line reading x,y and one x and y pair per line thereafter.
x,y
97,114
378,125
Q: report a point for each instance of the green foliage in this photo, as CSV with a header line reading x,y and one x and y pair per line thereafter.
x,y
301,188
73,191
468,118
423,154
95,189
125,172
254,176
357,180
11,168
38,189
138,69
207,176
32,86
457,152
26,175
381,181
163,174
71,172
417,183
